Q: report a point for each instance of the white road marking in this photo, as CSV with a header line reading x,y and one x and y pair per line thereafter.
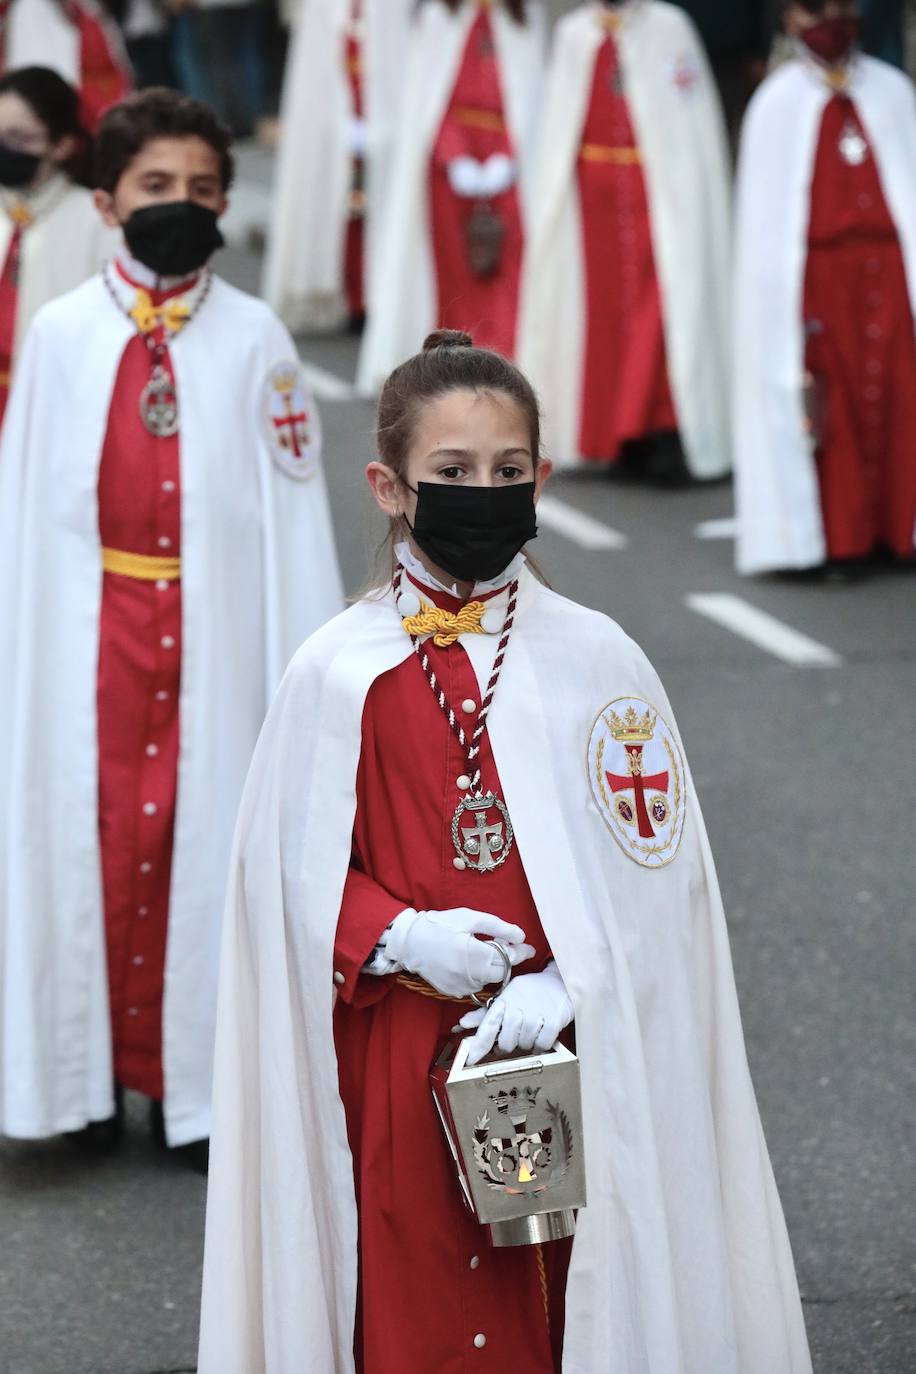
x,y
327,386
717,529
764,630
583,530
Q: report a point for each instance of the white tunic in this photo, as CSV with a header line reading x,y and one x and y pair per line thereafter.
x,y
780,524
64,245
259,573
304,267
681,135
402,299
681,1263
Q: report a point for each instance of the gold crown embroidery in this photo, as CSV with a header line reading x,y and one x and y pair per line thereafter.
x,y
632,729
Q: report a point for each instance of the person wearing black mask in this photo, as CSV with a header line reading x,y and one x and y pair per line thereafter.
x,y
164,532
825,293
51,238
468,779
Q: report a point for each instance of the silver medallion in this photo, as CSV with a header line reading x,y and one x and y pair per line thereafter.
x,y
853,147
485,843
159,404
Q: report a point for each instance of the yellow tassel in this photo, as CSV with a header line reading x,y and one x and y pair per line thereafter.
x,y
444,626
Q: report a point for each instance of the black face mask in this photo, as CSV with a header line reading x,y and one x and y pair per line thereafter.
x,y
173,239
17,169
473,532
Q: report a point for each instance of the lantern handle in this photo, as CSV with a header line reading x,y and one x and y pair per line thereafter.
x,y
507,974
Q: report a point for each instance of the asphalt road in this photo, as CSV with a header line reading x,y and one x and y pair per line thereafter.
x,y
805,769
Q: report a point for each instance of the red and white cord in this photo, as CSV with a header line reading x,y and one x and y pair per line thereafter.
x,y
472,746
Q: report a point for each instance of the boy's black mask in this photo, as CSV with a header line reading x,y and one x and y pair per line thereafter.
x,y
473,532
173,239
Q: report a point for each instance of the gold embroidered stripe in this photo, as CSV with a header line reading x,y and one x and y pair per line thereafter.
x,y
478,119
620,157
144,567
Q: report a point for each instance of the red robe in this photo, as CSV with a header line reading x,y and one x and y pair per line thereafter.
x,y
139,677
354,287
861,349
626,394
9,306
416,1238
104,77
474,126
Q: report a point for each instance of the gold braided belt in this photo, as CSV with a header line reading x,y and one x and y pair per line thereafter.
x,y
473,118
619,157
445,626
414,984
143,567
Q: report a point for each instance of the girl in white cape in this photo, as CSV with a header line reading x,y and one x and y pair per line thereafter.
x,y
51,237
466,754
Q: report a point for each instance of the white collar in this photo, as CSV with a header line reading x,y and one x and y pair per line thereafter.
x,y
416,570
146,277
125,293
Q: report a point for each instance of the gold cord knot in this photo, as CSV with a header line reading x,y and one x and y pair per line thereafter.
x,y
172,315
20,214
446,626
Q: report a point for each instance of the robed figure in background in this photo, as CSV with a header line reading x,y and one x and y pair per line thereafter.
x,y
624,318
341,94
825,386
75,38
450,253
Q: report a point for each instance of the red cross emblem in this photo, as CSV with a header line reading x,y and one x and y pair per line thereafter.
x,y
686,76
636,782
292,426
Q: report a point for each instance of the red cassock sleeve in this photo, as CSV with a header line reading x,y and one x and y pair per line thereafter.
x,y
367,909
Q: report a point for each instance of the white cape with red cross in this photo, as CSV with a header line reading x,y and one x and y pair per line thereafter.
x,y
677,119
780,524
259,573
681,1262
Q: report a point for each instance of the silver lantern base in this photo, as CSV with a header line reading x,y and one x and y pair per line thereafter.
x,y
537,1230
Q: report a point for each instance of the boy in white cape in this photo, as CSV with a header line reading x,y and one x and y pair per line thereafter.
x,y
166,545
465,690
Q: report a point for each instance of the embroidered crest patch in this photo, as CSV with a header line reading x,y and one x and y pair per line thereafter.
x,y
637,776
685,74
291,421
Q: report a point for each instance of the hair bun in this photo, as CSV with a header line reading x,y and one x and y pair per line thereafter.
x,y
448,338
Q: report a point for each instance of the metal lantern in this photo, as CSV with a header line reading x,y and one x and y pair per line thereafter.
x,y
514,1129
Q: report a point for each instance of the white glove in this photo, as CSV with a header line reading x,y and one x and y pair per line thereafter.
x,y
529,1015
442,947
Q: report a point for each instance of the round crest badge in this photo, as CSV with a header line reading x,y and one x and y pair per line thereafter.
x,y
638,779
292,422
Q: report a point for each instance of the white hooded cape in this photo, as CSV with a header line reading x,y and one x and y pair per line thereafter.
x,y
402,299
304,267
65,244
259,573
680,131
780,524
681,1263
